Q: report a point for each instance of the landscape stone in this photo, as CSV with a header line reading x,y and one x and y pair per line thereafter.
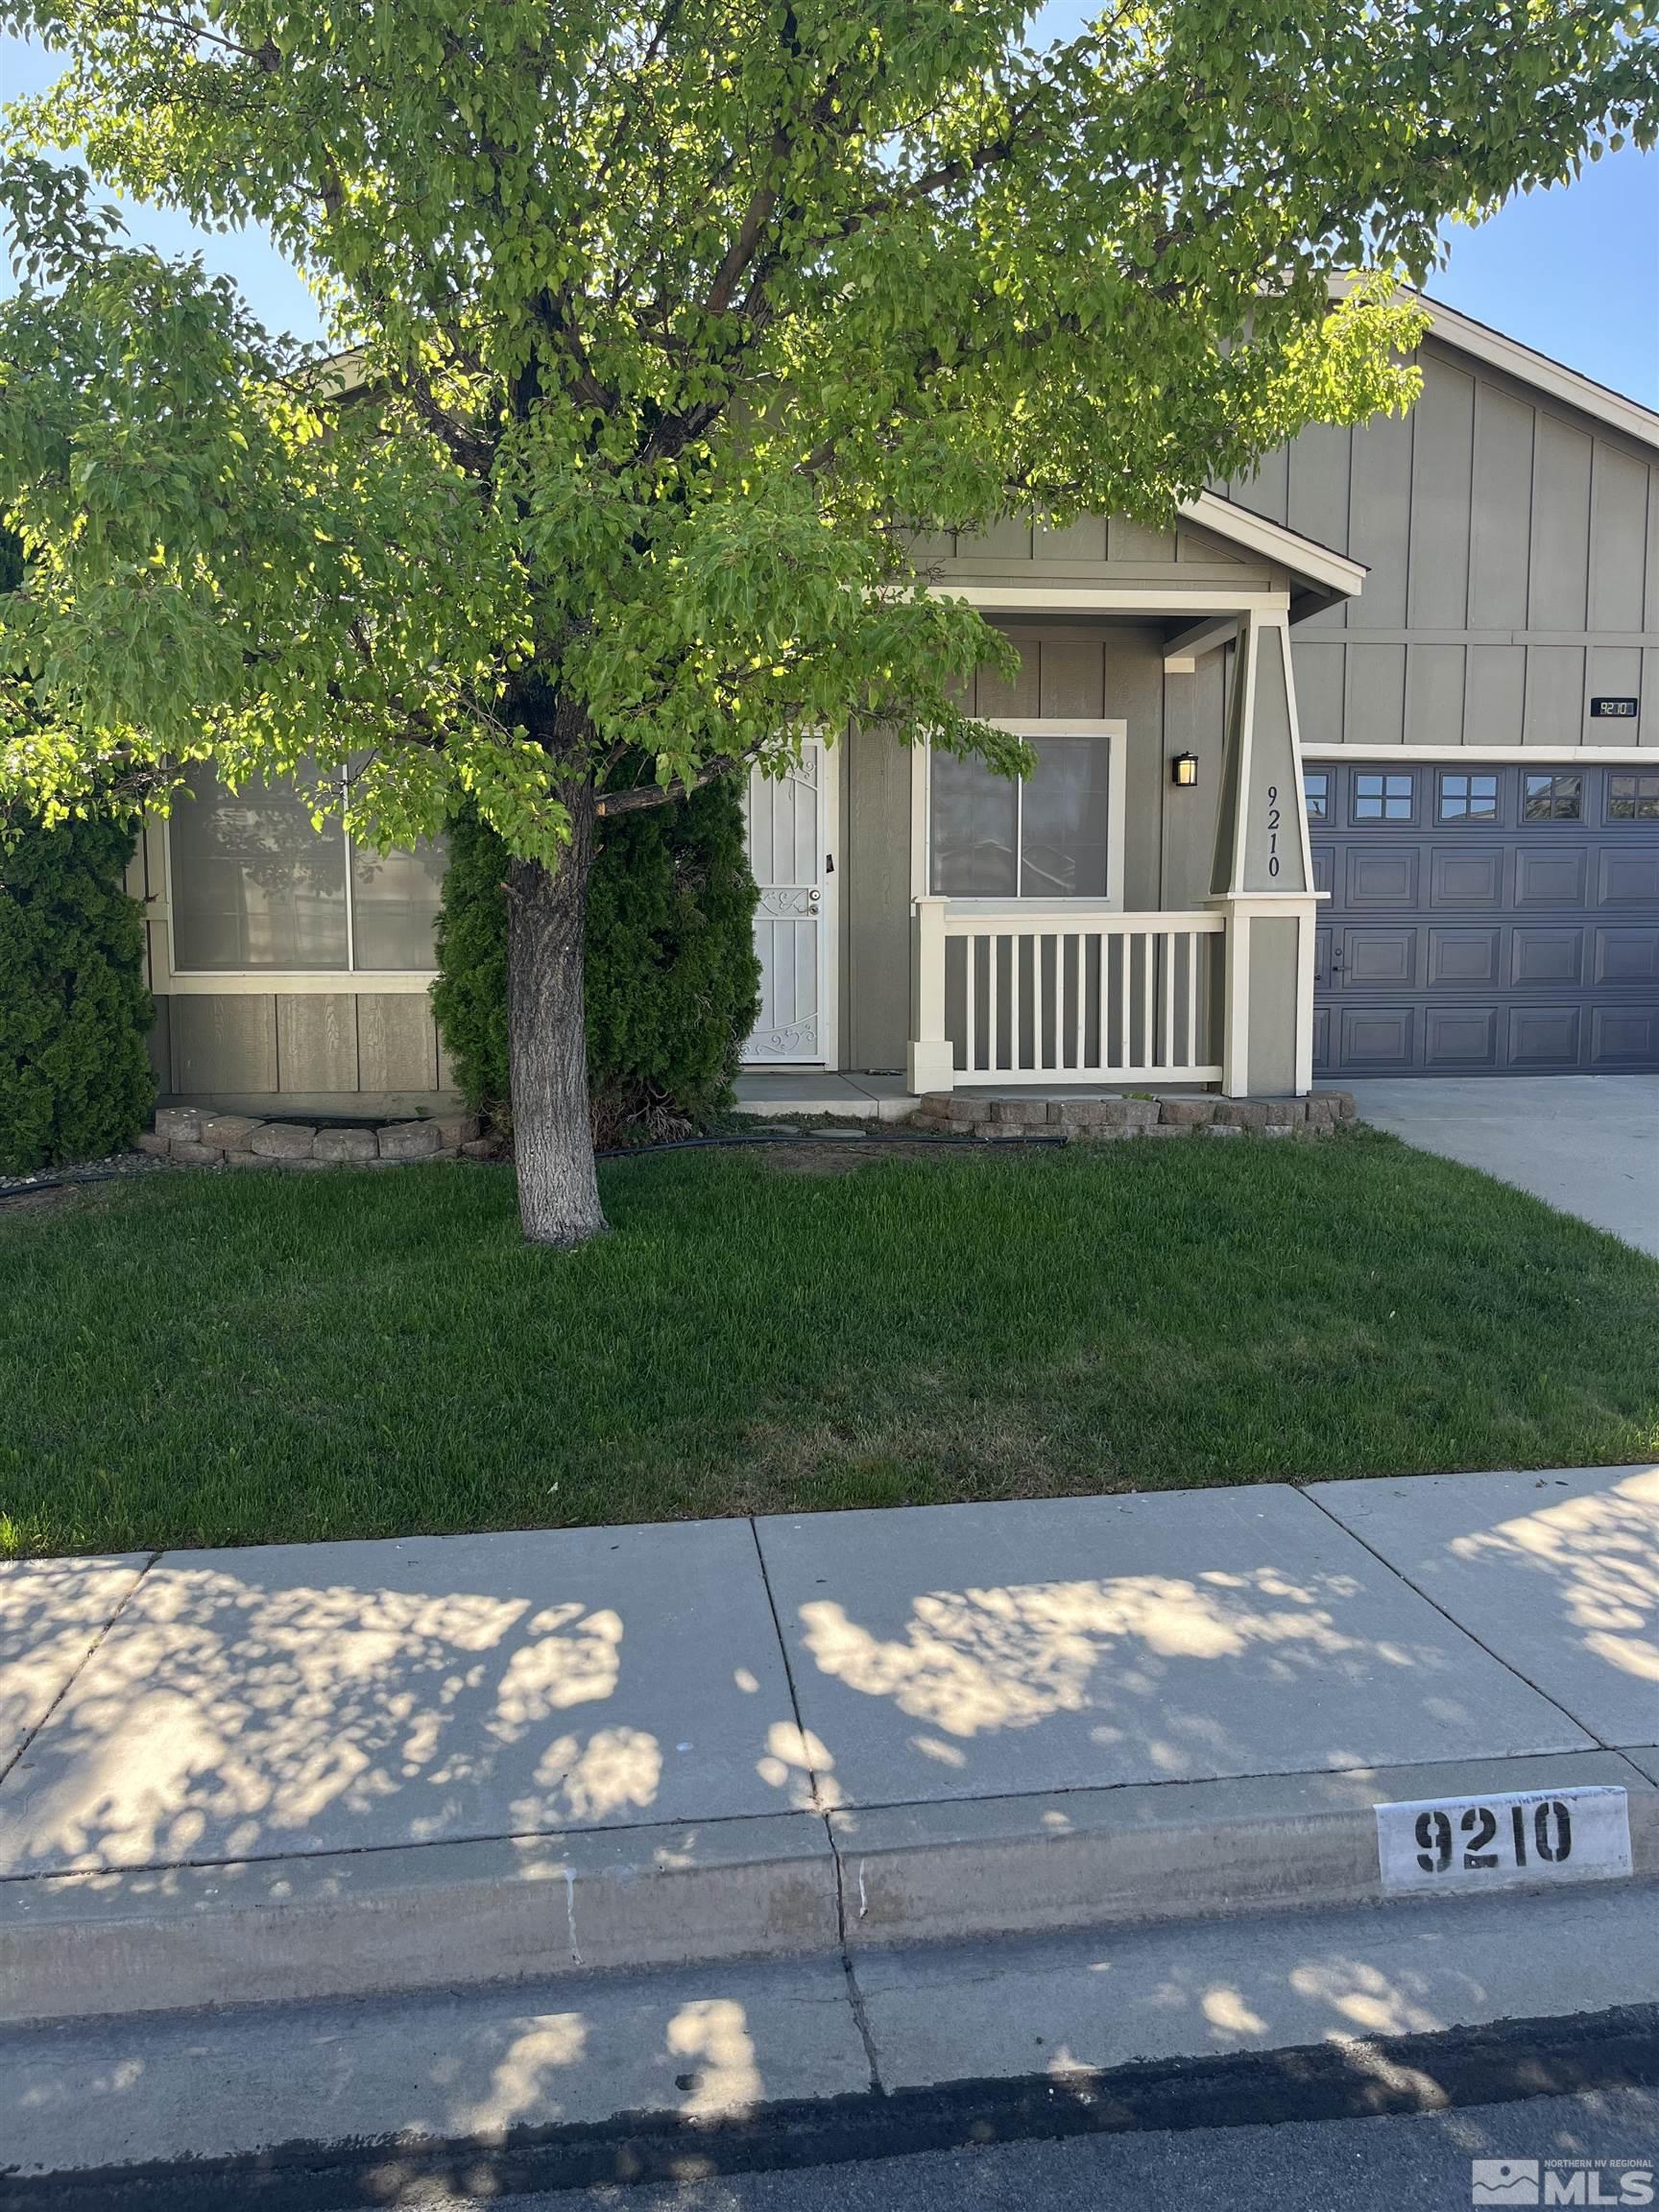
x,y
283,1139
174,1121
1242,1112
409,1141
196,1155
457,1129
1192,1113
230,1132
344,1144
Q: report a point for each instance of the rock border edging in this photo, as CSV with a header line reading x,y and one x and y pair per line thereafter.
x,y
200,1137
1135,1114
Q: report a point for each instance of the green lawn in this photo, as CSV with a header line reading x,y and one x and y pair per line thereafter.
x,y
237,1358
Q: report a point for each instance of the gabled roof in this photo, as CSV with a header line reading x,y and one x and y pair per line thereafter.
x,y
1528,366
1318,564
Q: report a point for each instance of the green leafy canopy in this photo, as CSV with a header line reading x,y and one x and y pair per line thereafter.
x,y
672,325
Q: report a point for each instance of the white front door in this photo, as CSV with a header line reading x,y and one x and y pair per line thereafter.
x,y
789,821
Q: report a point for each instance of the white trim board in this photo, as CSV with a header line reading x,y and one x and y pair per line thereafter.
x,y
296,983
1320,564
1528,366
1608,755
1168,597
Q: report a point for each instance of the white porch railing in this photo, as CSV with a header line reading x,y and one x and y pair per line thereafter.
x,y
1069,994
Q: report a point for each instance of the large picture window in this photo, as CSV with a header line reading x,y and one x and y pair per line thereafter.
x,y
1050,837
256,886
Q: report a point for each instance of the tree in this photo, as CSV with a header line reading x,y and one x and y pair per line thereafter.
x,y
671,984
671,316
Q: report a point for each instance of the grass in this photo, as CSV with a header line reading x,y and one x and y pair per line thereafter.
x,y
221,1360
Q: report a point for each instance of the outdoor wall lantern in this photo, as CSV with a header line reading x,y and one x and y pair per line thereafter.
x,y
1183,770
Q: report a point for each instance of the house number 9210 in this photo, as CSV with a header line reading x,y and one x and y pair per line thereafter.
x,y
1272,829
1579,1833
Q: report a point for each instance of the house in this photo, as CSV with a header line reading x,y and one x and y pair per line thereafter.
x,y
1353,771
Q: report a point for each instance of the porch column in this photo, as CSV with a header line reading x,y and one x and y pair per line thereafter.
x,y
929,1062
1263,873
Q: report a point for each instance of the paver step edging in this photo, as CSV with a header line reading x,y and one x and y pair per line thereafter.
x,y
462,1914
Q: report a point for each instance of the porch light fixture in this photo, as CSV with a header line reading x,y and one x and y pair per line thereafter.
x,y
1183,770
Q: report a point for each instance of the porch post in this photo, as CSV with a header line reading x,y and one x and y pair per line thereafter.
x,y
929,1063
1236,1002
1263,874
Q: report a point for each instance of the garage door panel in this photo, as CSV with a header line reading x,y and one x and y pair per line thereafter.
x,y
1382,958
1627,877
1382,878
1508,945
1625,1037
1547,954
1324,867
1467,878
1464,959
1628,955
1550,878
1543,1038
1460,1038
1380,1040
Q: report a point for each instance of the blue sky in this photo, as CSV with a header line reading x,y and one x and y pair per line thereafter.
x,y
1573,271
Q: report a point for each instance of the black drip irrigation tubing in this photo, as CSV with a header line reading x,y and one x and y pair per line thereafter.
x,y
76,1176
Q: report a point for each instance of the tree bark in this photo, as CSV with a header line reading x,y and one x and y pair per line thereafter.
x,y
548,1037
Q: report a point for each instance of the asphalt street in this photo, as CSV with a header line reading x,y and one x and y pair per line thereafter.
x,y
1415,2163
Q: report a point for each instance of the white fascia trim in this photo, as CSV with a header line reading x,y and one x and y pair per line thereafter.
x,y
1275,542
1609,755
1163,598
1528,366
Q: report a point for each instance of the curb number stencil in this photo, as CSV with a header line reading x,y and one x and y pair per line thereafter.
x,y
1488,1842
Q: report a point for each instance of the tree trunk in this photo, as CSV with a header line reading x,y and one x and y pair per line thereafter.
x,y
548,1037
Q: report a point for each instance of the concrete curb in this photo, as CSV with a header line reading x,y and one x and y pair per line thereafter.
x,y
1166,1851
426,1916
462,1914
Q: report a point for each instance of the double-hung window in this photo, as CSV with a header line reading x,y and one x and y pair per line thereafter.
x,y
1049,837
253,887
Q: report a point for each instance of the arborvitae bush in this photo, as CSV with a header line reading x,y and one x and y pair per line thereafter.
x,y
672,981
75,1076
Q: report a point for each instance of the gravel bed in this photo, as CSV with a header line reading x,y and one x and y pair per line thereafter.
x,y
90,1171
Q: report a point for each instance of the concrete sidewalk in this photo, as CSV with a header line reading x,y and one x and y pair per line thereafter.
x,y
302,1773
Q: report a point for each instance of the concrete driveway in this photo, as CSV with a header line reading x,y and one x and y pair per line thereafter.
x,y
1588,1144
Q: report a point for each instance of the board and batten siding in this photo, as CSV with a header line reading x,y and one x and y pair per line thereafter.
x,y
1513,550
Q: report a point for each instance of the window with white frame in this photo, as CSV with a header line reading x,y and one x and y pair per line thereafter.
x,y
1049,837
254,886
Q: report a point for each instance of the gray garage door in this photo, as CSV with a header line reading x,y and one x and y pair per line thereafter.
x,y
1485,919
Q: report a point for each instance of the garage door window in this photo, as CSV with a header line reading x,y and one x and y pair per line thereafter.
x,y
1468,798
1383,797
1633,798
1553,798
1316,794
